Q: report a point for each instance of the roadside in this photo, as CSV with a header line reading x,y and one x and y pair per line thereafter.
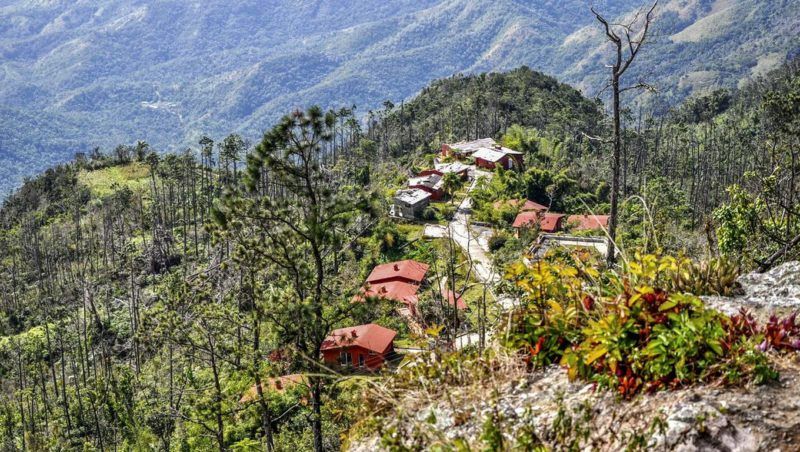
x,y
462,233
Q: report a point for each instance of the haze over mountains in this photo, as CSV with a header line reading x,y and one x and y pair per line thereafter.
x,y
80,74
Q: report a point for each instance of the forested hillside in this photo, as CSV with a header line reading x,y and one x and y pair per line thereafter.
x,y
144,295
93,73
140,303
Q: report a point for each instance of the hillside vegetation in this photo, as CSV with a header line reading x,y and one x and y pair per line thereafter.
x,y
96,73
147,297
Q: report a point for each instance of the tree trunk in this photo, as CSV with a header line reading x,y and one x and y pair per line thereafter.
x,y
611,257
316,400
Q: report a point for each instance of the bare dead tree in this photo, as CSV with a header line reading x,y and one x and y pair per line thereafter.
x,y
627,42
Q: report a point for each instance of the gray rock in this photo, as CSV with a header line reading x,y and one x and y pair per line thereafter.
x,y
698,426
777,289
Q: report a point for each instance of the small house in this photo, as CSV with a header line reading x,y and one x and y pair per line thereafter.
x,y
446,168
464,149
410,203
546,222
491,158
363,346
524,206
587,222
430,183
398,281
408,271
454,300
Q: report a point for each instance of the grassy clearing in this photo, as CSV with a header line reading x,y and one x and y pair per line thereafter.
x,y
103,182
411,231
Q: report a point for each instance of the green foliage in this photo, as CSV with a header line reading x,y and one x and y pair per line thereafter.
x,y
103,182
626,334
540,149
710,277
737,222
498,240
543,186
491,435
498,200
661,219
462,106
705,107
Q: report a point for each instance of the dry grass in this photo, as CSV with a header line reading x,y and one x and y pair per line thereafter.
x,y
455,383
102,182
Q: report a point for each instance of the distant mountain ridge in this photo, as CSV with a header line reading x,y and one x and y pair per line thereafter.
x,y
80,74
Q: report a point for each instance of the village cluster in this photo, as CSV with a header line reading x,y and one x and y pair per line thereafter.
x,y
368,347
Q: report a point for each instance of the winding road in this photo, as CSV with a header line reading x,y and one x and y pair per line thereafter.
x,y
461,233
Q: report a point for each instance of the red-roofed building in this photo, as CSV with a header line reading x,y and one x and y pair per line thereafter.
x,y
430,183
409,271
498,156
486,152
444,168
399,281
527,206
451,298
364,346
587,222
547,222
403,292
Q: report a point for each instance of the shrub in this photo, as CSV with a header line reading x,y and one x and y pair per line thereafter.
x,y
448,211
681,274
626,332
497,241
714,277
429,214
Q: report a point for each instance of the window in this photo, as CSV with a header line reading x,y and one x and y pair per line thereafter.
x,y
345,358
361,360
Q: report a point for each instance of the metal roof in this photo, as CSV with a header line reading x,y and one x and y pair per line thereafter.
x,y
370,336
412,196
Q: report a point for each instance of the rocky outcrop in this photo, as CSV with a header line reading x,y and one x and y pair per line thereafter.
x,y
777,290
560,413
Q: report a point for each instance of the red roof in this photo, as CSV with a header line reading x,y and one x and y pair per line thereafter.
x,y
391,290
548,222
277,384
528,205
588,222
407,270
371,337
451,299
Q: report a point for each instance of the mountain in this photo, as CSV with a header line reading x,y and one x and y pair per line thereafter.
x,y
80,74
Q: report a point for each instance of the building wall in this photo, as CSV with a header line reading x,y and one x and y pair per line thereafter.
x,y
435,194
371,361
507,162
406,210
430,171
481,163
519,161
